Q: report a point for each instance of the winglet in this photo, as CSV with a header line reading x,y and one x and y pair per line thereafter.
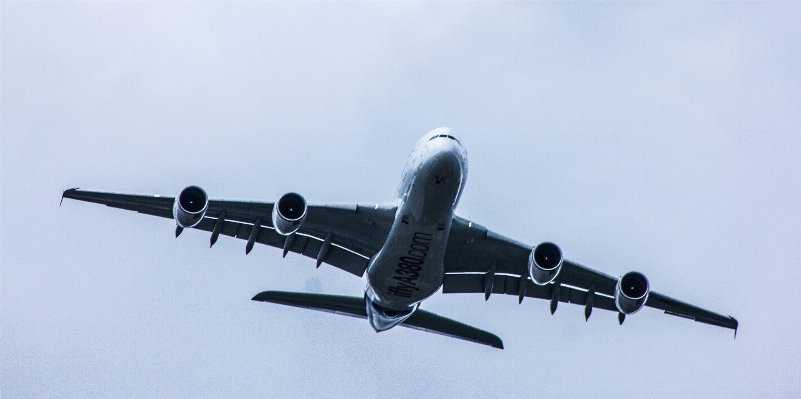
x,y
65,193
736,325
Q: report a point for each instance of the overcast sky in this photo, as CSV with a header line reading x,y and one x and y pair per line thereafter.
x,y
663,138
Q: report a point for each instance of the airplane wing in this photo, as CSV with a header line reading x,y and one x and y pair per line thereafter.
x,y
480,261
352,306
477,260
358,231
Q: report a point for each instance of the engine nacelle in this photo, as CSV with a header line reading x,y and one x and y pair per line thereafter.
x,y
631,292
289,212
544,263
190,206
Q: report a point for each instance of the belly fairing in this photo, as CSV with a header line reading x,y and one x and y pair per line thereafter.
x,y
383,318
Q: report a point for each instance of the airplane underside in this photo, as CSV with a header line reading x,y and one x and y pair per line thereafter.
x,y
408,250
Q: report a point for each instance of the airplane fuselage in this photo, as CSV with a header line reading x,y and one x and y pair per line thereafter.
x,y
409,267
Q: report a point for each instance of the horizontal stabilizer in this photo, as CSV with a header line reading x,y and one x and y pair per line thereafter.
x,y
344,305
353,306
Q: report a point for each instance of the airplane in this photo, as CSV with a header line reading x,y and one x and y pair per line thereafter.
x,y
409,249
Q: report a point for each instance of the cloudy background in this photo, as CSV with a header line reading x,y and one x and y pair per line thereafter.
x,y
663,138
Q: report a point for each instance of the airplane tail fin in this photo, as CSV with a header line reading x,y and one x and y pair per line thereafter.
x,y
353,306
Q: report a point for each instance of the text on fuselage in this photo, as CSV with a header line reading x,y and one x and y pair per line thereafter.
x,y
407,273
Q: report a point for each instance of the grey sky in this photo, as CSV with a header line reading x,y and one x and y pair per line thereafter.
x,y
662,138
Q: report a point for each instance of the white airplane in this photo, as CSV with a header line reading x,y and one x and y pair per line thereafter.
x,y
409,249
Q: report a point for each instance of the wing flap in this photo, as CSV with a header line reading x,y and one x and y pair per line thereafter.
x,y
160,212
675,307
119,200
147,204
242,211
308,246
509,285
577,275
353,306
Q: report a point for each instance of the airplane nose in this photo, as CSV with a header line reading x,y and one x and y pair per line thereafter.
x,y
445,166
441,130
442,133
444,151
442,169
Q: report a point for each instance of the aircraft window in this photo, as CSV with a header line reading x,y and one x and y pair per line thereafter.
x,y
446,136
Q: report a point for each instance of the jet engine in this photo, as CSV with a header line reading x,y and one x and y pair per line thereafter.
x,y
190,206
631,292
289,212
544,263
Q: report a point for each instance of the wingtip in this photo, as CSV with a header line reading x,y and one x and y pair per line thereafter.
x,y
64,194
262,296
493,341
498,344
736,326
